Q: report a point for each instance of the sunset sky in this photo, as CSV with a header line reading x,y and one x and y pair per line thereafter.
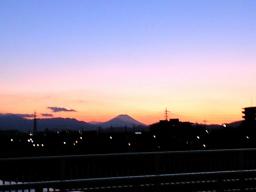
x,y
102,58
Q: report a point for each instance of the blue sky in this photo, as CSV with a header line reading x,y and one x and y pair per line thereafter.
x,y
104,27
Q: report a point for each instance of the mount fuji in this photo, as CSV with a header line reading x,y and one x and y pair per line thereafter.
x,y
121,121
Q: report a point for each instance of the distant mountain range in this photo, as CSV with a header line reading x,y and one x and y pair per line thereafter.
x,y
16,122
118,123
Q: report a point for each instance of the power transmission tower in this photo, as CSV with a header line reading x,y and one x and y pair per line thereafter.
x,y
166,112
35,123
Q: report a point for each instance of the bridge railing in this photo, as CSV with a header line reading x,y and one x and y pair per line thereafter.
x,y
46,168
239,180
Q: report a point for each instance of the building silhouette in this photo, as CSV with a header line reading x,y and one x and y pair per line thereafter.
x,y
249,114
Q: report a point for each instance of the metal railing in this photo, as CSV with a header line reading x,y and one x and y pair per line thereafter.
x,y
239,180
38,170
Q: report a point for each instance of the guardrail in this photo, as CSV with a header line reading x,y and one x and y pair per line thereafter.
x,y
58,168
239,180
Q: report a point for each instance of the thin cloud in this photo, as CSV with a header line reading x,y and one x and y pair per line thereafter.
x,y
61,109
47,115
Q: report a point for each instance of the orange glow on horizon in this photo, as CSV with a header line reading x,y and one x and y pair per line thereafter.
x,y
99,109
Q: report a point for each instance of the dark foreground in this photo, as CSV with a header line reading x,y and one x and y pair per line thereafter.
x,y
197,170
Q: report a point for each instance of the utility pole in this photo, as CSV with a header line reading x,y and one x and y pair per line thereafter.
x,y
35,123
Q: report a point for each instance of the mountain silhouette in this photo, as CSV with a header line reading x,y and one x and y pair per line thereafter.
x,y
122,121
21,123
15,122
63,124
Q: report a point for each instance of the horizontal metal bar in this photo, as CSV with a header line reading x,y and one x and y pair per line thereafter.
x,y
128,154
130,179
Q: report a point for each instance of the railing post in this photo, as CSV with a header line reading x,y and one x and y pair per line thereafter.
x,y
39,189
62,169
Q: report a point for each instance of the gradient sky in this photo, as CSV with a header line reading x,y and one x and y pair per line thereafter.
x,y
137,57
